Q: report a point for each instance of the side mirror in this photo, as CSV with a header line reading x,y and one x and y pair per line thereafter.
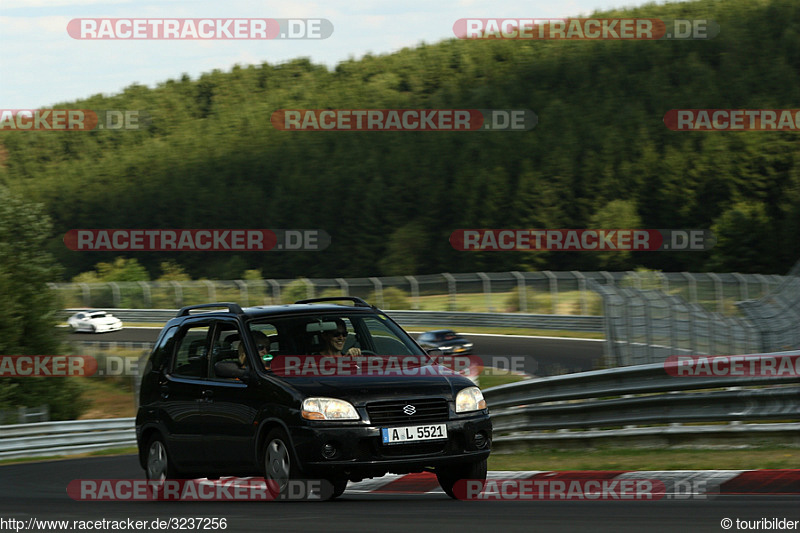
x,y
434,351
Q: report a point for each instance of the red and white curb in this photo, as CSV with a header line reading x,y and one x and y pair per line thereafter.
x,y
683,482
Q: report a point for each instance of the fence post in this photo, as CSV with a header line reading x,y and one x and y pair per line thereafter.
x,y
523,300
764,284
582,288
178,293
309,287
243,293
378,291
114,293
451,289
664,282
553,290
487,290
648,320
343,285
276,291
148,300
692,286
414,291
743,294
718,290
87,294
212,291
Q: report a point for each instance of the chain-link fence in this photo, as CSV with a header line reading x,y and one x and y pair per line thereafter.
x,y
558,293
777,315
649,321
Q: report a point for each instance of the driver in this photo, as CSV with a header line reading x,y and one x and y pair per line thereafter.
x,y
333,341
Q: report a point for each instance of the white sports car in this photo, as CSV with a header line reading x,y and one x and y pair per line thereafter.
x,y
94,322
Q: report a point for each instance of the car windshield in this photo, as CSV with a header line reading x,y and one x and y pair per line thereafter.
x,y
307,334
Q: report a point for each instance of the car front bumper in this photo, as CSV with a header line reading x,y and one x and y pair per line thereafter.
x,y
361,453
104,328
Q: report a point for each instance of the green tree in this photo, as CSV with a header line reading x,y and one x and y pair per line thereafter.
x,y
29,318
617,214
745,239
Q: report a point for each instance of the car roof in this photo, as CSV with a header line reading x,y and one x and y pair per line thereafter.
x,y
281,310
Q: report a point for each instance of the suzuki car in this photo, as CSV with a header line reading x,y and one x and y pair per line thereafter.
x,y
255,392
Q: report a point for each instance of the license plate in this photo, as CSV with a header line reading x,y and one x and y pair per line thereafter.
x,y
414,433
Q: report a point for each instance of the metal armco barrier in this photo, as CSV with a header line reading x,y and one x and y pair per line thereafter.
x,y
413,318
65,438
642,401
604,404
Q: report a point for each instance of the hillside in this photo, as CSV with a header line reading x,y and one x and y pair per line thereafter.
x,y
390,200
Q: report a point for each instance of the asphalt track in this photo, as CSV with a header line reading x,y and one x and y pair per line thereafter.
x,y
537,356
38,490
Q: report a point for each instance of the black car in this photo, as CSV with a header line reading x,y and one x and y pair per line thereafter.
x,y
445,340
202,413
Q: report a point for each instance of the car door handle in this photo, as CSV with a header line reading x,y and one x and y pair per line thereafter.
x,y
208,395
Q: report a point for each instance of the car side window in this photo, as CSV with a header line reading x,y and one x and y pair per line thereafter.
x,y
191,357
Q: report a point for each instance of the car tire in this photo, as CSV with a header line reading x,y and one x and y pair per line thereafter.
x,y
339,486
158,462
280,465
449,475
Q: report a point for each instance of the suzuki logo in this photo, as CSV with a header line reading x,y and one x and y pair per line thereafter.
x,y
409,410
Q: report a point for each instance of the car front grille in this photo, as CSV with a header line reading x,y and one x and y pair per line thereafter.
x,y
392,412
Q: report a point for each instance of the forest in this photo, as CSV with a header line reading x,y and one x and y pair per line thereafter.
x,y
600,155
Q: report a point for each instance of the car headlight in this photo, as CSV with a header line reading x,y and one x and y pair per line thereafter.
x,y
328,409
470,399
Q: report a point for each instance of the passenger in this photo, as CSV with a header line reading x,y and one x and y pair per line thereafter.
x,y
262,345
333,340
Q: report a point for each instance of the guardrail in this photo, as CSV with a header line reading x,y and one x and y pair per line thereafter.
x,y
644,402
65,438
582,323
641,402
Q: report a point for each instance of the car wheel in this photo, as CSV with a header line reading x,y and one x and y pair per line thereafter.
x,y
449,475
279,464
159,465
339,486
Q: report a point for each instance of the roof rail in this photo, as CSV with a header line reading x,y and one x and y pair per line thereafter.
x,y
232,307
358,302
